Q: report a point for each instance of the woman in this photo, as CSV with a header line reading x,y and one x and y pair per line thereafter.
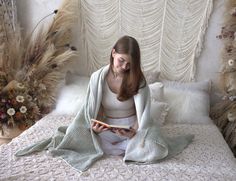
x,y
117,94
122,82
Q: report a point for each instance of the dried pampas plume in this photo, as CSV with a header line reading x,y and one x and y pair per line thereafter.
x,y
223,112
38,59
227,80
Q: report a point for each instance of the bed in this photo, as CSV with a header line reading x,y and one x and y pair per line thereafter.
x,y
177,107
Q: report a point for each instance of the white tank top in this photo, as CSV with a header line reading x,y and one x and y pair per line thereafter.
x,y
113,107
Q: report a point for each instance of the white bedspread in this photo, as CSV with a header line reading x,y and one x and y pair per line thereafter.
x,y
207,158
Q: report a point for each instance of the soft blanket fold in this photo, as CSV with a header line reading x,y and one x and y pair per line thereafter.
x,y
78,145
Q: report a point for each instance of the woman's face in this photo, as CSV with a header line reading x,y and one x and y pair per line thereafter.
x,y
121,62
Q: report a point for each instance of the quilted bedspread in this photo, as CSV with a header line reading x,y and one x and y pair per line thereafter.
x,y
207,158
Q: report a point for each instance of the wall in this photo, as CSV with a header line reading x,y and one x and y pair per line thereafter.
x,y
31,11
209,62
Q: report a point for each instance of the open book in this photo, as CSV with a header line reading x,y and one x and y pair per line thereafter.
x,y
111,125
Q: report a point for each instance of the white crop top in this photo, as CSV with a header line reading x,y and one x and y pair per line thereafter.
x,y
113,107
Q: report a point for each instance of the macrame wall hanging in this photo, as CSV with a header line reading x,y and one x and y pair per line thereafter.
x,y
170,33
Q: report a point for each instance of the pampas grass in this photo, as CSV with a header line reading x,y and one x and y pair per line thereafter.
x,y
38,60
228,54
223,112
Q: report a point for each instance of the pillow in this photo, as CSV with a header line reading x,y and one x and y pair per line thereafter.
x,y
77,79
204,85
159,111
151,76
157,91
188,102
72,95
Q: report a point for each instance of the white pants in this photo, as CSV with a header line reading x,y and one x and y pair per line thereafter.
x,y
111,143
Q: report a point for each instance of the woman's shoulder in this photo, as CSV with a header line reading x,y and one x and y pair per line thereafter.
x,y
143,84
143,88
101,70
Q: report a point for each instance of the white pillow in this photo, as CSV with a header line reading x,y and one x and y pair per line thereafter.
x,y
188,102
159,111
157,91
72,96
77,79
204,85
151,76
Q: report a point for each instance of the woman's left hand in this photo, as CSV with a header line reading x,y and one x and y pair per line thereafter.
x,y
123,132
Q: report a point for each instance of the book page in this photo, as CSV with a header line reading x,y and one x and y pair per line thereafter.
x,y
111,125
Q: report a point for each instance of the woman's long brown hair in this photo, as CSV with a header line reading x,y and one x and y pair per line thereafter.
x,y
133,78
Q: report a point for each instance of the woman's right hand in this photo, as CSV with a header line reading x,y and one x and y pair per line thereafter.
x,y
98,128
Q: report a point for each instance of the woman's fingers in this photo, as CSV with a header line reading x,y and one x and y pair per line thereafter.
x,y
127,133
98,128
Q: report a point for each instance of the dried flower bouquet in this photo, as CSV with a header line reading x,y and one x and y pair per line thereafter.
x,y
32,68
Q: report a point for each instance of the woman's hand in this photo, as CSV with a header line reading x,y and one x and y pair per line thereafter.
x,y
98,128
123,132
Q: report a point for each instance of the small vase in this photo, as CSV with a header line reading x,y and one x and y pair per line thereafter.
x,y
7,134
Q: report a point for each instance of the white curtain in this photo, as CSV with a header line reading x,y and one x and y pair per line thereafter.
x,y
170,33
